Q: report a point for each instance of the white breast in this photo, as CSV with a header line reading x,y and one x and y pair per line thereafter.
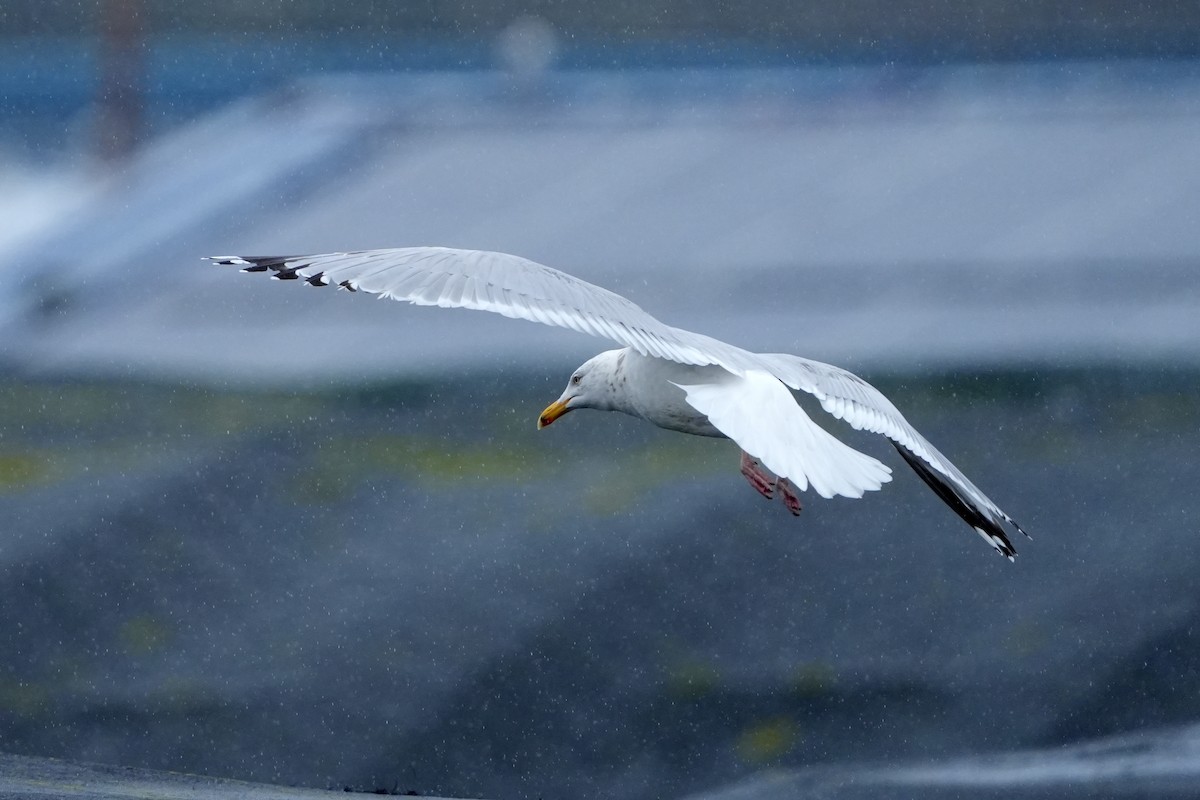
x,y
649,387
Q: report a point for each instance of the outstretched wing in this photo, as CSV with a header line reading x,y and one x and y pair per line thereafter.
x,y
504,284
848,397
522,289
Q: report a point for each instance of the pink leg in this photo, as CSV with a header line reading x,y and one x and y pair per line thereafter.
x,y
790,499
757,476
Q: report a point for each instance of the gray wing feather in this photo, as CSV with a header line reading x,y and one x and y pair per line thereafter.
x,y
503,284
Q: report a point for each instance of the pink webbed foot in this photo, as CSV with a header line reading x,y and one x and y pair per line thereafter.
x,y
757,476
790,499
766,484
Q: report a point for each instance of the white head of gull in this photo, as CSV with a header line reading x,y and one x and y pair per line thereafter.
x,y
676,379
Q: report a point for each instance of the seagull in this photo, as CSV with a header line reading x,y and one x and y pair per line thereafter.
x,y
673,378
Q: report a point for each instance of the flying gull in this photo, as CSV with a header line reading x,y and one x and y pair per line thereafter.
x,y
676,379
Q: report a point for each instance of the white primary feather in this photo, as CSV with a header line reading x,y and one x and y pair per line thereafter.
x,y
519,288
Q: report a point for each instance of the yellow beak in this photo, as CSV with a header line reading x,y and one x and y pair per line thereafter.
x,y
552,412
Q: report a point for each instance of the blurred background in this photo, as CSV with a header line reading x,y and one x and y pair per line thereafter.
x,y
253,530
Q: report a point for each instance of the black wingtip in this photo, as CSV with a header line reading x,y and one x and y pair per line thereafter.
x,y
226,261
255,263
283,268
985,526
1019,528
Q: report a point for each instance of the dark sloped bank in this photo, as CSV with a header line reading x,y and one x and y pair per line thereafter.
x,y
413,588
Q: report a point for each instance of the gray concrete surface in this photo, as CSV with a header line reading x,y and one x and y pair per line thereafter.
x,y
1157,764
27,778
1150,764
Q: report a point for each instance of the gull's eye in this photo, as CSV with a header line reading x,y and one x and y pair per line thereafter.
x,y
575,379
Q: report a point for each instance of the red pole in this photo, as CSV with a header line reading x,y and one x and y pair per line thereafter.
x,y
119,112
